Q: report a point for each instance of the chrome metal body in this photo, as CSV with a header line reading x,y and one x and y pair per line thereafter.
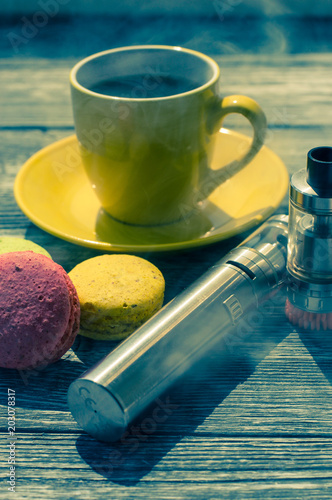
x,y
106,398
310,234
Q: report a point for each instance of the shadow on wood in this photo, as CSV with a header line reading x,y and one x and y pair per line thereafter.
x,y
319,345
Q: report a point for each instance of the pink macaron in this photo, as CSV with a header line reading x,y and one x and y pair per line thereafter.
x,y
39,310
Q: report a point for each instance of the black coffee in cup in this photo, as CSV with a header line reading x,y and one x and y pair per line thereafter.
x,y
144,86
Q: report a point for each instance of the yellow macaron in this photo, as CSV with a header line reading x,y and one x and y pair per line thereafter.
x,y
117,294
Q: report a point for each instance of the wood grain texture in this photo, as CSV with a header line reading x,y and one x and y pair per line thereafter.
x,y
196,468
36,94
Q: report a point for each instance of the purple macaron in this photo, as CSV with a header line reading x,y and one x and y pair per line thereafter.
x,y
39,310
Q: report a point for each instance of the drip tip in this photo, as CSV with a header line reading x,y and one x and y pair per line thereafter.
x,y
319,170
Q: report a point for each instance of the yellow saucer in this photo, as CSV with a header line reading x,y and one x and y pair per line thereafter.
x,y
53,190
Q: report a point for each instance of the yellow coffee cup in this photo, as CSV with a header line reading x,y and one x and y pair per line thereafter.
x,y
146,118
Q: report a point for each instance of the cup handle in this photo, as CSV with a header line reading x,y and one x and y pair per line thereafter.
x,y
251,110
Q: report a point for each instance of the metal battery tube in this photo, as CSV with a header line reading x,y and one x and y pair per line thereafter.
x,y
110,395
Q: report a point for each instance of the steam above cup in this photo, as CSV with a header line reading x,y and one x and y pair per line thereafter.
x,y
146,118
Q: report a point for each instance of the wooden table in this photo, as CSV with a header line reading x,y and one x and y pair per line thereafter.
x,y
255,423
